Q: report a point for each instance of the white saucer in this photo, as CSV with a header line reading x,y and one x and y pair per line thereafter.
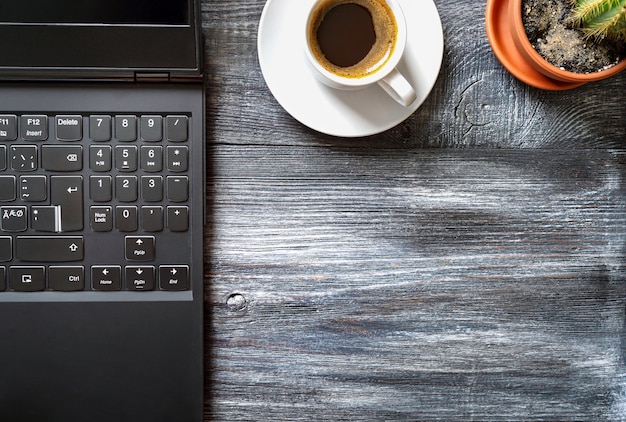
x,y
335,112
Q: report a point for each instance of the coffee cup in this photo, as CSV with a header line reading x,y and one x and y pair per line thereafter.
x,y
354,44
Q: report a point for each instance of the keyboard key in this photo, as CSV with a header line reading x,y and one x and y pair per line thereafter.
x,y
8,127
7,188
27,279
66,279
62,158
3,157
106,277
140,248
152,188
45,218
126,128
177,158
100,158
13,219
3,279
34,127
49,248
6,250
23,157
69,127
140,278
176,128
126,158
174,277
101,219
67,192
177,188
126,188
100,128
151,158
100,188
126,219
152,219
151,128
33,188
178,219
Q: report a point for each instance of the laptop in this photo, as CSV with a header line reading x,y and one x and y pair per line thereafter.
x,y
101,210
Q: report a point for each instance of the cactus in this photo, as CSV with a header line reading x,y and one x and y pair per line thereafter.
x,y
602,18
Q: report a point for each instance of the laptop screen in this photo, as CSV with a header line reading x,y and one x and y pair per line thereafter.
x,y
98,39
103,12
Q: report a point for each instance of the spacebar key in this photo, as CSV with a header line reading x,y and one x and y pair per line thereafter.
x,y
49,248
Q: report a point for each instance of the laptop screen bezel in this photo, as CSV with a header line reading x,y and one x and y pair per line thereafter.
x,y
97,51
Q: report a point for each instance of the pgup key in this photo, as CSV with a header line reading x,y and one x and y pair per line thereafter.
x,y
67,193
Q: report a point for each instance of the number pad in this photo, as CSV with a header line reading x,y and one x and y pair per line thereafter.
x,y
126,188
126,218
152,188
126,128
100,188
126,158
152,158
151,128
100,128
100,158
176,127
177,158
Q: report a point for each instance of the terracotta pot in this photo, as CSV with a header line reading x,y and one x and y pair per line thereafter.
x,y
511,46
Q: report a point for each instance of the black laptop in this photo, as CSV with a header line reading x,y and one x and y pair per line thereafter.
x,y
101,210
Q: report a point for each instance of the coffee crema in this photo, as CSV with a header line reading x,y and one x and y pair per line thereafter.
x,y
352,38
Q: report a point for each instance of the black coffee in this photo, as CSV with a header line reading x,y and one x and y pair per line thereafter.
x,y
346,34
352,38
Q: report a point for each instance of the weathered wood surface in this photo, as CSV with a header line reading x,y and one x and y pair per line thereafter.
x,y
468,264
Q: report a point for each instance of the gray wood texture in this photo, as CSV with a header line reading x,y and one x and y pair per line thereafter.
x,y
468,264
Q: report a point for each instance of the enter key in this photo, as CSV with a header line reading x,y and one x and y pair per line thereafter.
x,y
67,193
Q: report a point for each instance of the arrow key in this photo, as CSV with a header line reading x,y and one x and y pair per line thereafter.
x,y
140,248
106,277
140,278
174,277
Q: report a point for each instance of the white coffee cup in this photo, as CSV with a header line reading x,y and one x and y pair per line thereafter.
x,y
385,74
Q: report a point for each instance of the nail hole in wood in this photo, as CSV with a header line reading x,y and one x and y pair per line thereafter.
x,y
236,302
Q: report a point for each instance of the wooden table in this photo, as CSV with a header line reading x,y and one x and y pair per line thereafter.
x,y
468,264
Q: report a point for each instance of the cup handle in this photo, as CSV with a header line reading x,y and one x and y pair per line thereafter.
x,y
398,88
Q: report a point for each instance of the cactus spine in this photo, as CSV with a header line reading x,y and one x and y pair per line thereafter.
x,y
602,18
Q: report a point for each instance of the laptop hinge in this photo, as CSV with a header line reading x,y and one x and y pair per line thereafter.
x,y
152,77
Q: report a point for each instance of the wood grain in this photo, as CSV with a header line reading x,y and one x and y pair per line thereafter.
x,y
468,264
417,285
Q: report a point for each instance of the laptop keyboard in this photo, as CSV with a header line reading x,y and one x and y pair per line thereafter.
x,y
91,202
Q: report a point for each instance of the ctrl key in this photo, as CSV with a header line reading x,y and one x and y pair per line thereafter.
x,y
27,279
